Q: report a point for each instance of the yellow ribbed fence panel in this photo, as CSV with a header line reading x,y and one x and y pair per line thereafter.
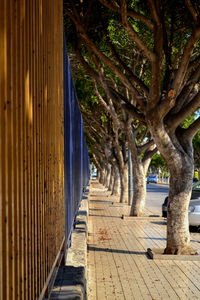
x,y
31,145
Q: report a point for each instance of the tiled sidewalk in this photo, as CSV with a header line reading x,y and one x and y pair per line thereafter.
x,y
118,267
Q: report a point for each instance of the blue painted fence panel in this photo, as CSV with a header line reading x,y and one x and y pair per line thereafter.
x,y
76,159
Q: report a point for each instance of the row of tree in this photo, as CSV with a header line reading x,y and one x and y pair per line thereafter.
x,y
140,64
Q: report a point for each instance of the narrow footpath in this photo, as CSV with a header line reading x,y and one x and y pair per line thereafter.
x,y
117,264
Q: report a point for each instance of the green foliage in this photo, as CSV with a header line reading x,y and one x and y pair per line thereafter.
x,y
102,24
196,139
104,118
84,91
187,122
158,161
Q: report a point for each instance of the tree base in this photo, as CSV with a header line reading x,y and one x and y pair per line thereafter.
x,y
158,254
136,213
179,251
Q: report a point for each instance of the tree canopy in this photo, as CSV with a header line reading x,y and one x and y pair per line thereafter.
x,y
145,57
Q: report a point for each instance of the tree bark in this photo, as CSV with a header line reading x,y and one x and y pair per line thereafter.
x,y
107,176
178,154
139,190
178,237
140,167
101,177
116,182
111,179
124,184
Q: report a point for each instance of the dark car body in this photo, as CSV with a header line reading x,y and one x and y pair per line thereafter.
x,y
195,195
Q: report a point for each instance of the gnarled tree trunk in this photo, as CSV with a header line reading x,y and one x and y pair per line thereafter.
x,y
140,167
178,153
139,190
178,237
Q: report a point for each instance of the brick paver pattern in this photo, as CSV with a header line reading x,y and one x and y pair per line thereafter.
x,y
117,265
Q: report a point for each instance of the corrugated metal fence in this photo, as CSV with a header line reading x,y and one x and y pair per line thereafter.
x,y
32,206
76,154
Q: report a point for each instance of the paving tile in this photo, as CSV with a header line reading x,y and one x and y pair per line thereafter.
x,y
118,267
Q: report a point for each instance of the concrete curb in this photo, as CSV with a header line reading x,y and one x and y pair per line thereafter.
x,y
70,283
158,253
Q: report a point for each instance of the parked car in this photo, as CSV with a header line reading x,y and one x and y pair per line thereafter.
x,y
194,212
152,178
194,206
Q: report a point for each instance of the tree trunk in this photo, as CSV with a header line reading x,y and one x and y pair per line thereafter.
x,y
107,177
111,179
124,184
139,190
178,153
178,237
101,176
140,167
116,182
98,174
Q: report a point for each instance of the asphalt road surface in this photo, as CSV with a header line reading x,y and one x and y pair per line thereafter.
x,y
156,194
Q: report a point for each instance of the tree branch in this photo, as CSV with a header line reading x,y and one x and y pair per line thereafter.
x,y
127,106
91,45
155,90
109,107
153,9
193,64
145,146
149,154
185,93
140,101
132,33
174,120
91,72
180,76
130,12
102,101
133,77
192,10
193,128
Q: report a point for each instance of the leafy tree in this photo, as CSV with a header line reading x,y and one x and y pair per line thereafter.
x,y
107,150
165,41
105,84
158,162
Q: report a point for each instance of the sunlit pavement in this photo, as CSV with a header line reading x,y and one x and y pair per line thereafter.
x,y
117,266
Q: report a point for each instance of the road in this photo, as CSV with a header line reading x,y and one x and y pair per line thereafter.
x,y
156,194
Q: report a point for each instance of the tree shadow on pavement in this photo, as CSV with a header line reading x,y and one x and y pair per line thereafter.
x,y
91,215
152,238
92,248
101,201
159,222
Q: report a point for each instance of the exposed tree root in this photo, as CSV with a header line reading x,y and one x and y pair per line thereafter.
x,y
179,251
